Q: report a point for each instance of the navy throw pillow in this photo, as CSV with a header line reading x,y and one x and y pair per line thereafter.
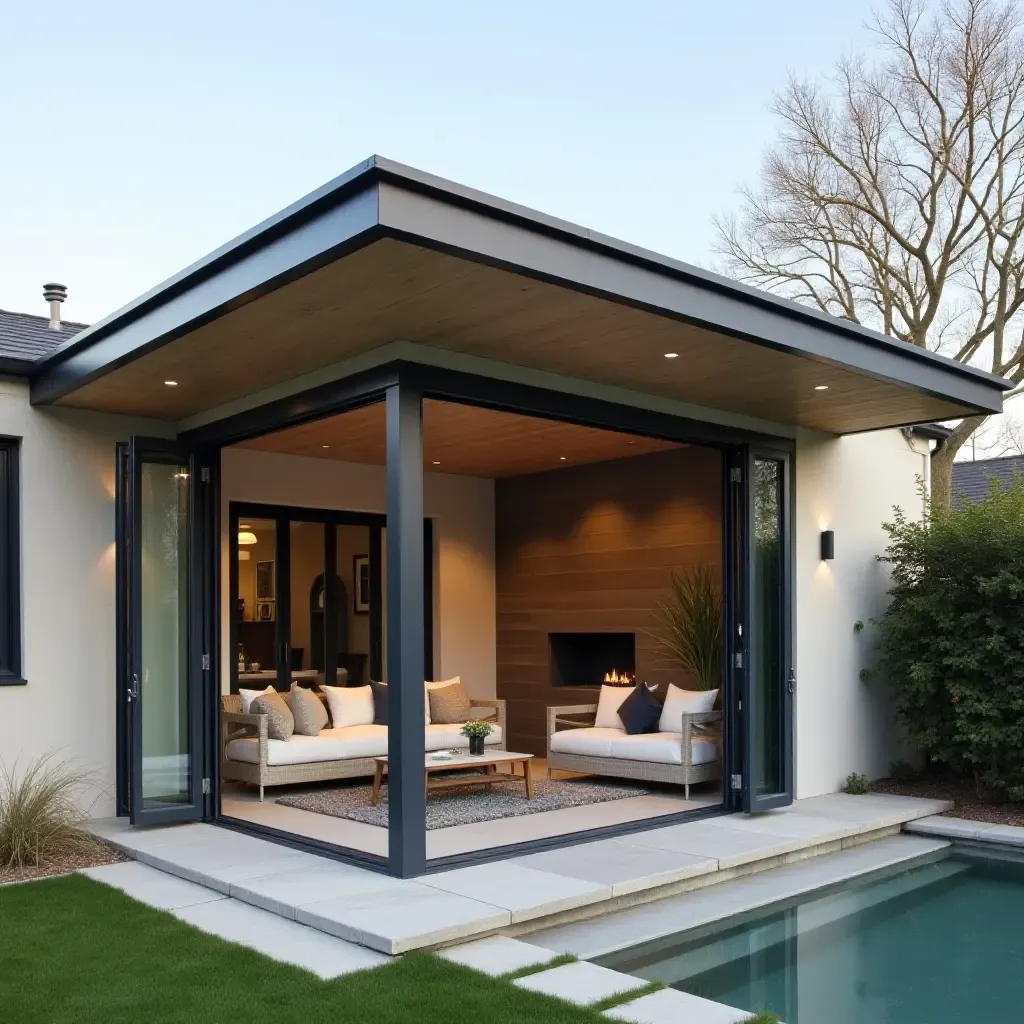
x,y
380,703
640,711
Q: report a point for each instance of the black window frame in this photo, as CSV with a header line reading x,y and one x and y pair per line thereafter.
x,y
11,669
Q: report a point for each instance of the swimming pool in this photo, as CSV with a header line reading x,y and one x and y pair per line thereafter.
x,y
936,943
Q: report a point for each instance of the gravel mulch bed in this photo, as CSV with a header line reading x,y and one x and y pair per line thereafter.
x,y
966,803
63,865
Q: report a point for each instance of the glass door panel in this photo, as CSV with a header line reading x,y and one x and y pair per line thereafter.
x,y
768,775
309,583
355,592
163,687
254,663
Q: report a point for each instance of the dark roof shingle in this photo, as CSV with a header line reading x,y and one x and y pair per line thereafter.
x,y
29,338
972,480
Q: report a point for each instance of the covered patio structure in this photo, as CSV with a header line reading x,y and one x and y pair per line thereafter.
x,y
389,293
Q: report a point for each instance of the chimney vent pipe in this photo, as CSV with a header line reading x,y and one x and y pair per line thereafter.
x,y
55,294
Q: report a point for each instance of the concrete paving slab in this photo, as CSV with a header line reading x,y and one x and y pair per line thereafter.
x,y
625,866
730,847
152,887
524,892
497,955
580,983
410,916
283,892
950,828
677,914
670,1006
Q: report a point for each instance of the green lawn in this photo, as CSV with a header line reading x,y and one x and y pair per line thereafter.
x,y
75,951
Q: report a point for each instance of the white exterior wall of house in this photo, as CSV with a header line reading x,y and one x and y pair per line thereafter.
x,y
67,582
68,609
849,485
463,511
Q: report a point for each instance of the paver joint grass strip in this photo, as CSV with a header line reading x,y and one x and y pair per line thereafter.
x,y
524,972
619,998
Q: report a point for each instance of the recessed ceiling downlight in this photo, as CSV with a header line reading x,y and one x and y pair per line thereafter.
x,y
671,355
821,387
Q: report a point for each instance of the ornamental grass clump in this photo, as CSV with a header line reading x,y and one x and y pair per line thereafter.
x,y
951,643
40,814
691,626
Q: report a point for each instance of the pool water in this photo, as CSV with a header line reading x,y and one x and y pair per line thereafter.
x,y
937,943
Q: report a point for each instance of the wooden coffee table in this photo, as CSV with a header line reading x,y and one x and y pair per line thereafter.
x,y
487,763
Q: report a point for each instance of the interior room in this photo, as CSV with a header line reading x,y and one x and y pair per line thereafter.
x,y
564,565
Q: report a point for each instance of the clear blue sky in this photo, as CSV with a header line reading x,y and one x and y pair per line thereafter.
x,y
136,137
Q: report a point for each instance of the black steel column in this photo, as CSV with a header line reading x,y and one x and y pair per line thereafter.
x,y
407,836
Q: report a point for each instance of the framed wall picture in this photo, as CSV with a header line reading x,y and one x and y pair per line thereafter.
x,y
361,584
264,581
265,609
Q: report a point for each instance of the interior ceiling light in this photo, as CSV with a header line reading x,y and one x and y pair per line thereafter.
x,y
170,383
245,535
821,387
561,458
325,446
437,463
671,355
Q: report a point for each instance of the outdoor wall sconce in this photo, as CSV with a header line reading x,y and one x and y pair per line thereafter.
x,y
828,545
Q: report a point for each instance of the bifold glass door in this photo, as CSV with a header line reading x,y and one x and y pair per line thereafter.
x,y
163,682
768,680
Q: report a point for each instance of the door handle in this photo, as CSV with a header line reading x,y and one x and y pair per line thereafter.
x,y
133,690
791,681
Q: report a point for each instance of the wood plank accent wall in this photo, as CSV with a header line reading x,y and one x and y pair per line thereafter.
x,y
592,549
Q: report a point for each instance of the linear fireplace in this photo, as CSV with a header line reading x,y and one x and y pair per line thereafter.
x,y
589,659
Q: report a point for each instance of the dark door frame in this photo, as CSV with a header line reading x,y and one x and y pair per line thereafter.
x,y
754,802
404,385
142,450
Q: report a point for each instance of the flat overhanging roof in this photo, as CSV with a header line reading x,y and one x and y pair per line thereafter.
x,y
387,253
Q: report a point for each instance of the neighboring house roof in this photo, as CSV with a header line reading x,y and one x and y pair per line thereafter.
x,y
25,339
971,480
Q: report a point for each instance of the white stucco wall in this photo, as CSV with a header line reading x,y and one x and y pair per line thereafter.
x,y
462,508
849,485
67,564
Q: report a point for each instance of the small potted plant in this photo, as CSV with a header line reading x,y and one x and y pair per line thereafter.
x,y
477,730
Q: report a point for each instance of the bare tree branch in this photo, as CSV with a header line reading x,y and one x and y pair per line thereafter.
x,y
894,194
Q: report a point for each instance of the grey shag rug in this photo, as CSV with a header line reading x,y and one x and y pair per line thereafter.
x,y
468,805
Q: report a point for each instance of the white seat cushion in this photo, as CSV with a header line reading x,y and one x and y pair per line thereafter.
x,y
329,745
658,747
339,744
442,737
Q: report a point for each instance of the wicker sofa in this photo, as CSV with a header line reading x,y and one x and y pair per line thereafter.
x,y
684,758
249,755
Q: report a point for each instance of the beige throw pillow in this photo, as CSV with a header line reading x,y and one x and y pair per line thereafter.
x,y
280,723
308,710
428,686
449,704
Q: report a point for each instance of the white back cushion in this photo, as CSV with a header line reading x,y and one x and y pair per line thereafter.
x,y
608,707
350,705
248,696
679,702
435,686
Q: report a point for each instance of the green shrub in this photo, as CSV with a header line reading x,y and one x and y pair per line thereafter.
x,y
764,1017
902,771
40,817
951,643
856,784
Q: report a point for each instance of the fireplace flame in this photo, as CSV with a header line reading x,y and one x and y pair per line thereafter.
x,y
615,678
